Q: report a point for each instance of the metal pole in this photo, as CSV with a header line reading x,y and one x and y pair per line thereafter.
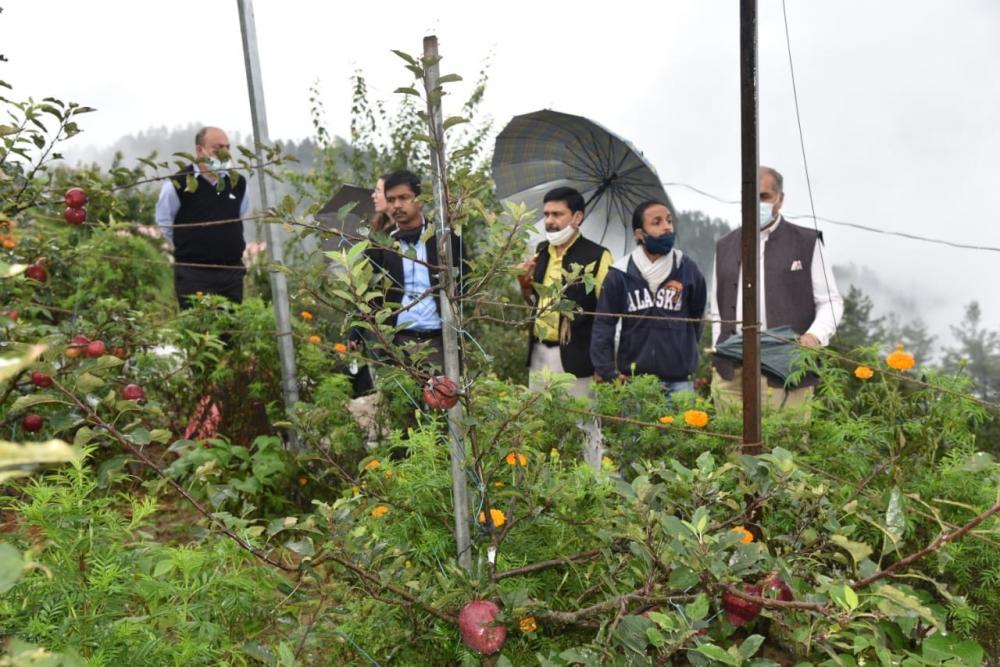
x,y
750,228
449,333
275,243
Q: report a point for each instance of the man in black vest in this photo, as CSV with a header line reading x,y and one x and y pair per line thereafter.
x,y
200,211
561,342
798,291
408,267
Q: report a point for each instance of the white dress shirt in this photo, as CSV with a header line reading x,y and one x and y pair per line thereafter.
x,y
829,303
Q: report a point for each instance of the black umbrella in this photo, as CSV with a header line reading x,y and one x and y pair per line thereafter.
x,y
778,356
345,223
546,149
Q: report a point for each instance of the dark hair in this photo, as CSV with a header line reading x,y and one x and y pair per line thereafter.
x,y
402,177
199,139
640,211
569,196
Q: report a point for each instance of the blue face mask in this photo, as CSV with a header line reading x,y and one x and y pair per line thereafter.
x,y
766,213
659,245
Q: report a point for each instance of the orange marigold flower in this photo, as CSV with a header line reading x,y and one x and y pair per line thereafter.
x,y
496,517
303,481
746,537
371,465
666,419
497,485
696,418
9,242
306,315
863,373
340,348
900,360
199,294
315,340
380,510
528,624
516,458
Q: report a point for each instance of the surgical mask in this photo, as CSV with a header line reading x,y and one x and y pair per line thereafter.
x,y
766,213
221,167
659,245
562,236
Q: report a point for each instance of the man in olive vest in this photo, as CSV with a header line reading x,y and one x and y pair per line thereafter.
x,y
205,223
797,288
561,342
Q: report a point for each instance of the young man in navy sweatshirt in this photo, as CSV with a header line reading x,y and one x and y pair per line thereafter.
x,y
666,289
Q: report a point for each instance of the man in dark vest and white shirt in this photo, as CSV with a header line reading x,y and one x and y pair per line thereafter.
x,y
561,342
797,288
208,258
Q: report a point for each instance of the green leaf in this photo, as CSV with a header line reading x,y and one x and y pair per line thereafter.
x,y
452,121
449,78
895,516
12,365
410,60
844,596
160,435
682,578
750,646
697,610
138,436
163,567
83,436
942,647
718,654
11,566
902,603
14,456
407,90
88,383
107,361
303,547
858,550
9,271
31,400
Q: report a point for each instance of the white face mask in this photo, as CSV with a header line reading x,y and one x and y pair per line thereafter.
x,y
562,236
766,213
219,166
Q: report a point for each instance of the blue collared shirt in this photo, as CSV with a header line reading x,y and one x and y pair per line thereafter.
x,y
423,316
169,203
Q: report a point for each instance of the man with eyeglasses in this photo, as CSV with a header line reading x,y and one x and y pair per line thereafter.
x,y
409,267
200,212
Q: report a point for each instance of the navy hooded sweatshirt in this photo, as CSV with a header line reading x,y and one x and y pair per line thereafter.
x,y
666,348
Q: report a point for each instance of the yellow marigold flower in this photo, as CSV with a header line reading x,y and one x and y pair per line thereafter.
x,y
696,418
496,517
497,485
303,481
527,624
666,419
387,474
340,348
315,340
516,458
900,360
607,463
306,315
380,510
355,489
863,373
746,537
371,465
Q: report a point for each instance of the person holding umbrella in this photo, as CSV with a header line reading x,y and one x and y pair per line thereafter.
x,y
560,342
666,292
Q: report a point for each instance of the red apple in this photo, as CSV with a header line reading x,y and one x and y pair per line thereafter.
x,y
740,611
32,423
96,348
75,216
77,346
440,392
37,272
76,198
133,392
40,379
475,624
119,352
775,587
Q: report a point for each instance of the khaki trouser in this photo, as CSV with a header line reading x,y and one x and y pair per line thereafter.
x,y
543,357
728,395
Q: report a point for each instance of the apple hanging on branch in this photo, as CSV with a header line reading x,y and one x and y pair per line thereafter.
x,y
133,392
75,216
40,379
37,272
440,392
77,346
32,423
76,198
475,624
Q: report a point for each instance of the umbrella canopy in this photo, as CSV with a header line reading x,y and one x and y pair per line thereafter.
x,y
347,226
777,357
546,149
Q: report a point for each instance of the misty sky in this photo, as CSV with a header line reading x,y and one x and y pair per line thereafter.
x,y
900,100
